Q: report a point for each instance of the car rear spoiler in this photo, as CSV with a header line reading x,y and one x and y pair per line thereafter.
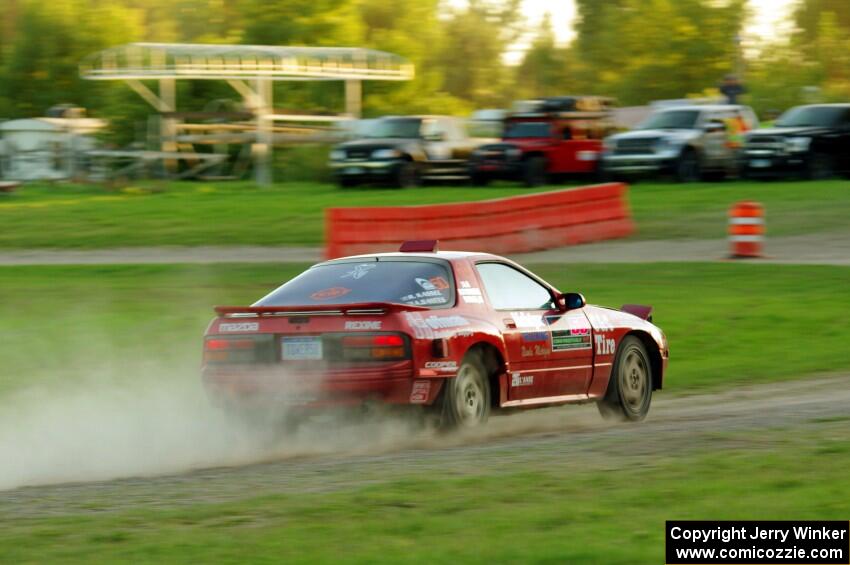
x,y
316,309
639,310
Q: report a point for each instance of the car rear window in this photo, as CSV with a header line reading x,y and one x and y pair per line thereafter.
x,y
419,283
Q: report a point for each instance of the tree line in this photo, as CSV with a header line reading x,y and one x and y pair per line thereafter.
x,y
633,50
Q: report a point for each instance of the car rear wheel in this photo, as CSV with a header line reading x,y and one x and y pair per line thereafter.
x,y
466,398
820,167
348,182
629,391
534,171
407,175
688,167
478,179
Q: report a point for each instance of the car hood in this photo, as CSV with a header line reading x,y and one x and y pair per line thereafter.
x,y
788,131
683,134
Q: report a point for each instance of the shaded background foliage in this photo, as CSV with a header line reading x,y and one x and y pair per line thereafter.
x,y
634,50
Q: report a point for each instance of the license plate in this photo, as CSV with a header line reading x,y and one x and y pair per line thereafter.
x,y
760,163
353,171
301,348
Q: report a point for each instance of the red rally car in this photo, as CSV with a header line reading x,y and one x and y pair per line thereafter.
x,y
459,333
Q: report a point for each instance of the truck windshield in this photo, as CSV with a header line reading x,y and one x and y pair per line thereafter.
x,y
419,283
527,129
671,119
820,116
394,127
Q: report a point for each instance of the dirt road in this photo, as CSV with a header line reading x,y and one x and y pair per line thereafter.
x,y
829,248
568,437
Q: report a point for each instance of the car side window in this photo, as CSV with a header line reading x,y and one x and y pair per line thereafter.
x,y
510,289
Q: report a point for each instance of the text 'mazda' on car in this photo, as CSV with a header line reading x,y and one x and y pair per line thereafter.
x,y
456,334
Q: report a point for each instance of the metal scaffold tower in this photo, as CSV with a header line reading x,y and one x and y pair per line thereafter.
x,y
250,70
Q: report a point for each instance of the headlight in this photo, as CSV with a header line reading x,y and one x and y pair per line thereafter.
x,y
385,154
337,155
798,144
513,152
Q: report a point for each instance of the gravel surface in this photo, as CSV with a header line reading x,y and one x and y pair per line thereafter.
x,y
573,438
830,248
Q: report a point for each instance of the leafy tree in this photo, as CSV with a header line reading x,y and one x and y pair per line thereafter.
x,y
808,16
470,56
546,69
642,50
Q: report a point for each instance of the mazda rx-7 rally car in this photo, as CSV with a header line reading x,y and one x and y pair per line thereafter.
x,y
459,333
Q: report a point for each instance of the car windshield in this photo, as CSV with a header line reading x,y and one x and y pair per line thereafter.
x,y
527,129
394,127
671,119
419,283
821,116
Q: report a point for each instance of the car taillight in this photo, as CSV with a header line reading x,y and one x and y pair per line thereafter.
x,y
237,350
385,347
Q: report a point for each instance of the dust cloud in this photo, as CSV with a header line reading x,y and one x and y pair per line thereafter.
x,y
149,422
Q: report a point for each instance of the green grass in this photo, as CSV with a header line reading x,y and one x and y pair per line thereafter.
x,y
239,213
577,513
726,323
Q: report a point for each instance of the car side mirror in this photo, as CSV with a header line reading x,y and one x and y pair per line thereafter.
x,y
571,301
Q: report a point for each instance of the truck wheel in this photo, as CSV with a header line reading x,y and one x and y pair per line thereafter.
x,y
687,167
820,167
407,175
465,402
534,171
630,386
478,179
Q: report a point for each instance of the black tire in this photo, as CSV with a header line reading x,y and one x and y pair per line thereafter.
x,y
465,399
820,167
688,167
478,179
407,175
534,171
629,391
348,182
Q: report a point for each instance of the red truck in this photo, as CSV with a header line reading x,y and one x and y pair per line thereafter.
x,y
549,137
459,334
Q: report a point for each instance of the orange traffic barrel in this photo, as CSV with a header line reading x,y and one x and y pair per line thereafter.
x,y
746,229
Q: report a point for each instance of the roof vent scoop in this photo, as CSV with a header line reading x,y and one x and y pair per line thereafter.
x,y
419,246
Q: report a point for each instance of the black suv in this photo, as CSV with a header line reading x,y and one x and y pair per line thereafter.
x,y
810,140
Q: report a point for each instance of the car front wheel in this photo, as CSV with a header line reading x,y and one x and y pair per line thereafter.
x,y
630,387
688,167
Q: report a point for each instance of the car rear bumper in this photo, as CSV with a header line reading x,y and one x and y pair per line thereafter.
x,y
308,387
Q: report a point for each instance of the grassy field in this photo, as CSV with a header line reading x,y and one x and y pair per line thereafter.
x,y
574,512
751,322
239,213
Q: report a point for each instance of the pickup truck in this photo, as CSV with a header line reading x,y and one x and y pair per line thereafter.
x,y
690,142
812,140
403,151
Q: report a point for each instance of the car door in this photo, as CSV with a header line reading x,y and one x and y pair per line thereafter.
x,y
715,150
549,351
435,138
842,152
